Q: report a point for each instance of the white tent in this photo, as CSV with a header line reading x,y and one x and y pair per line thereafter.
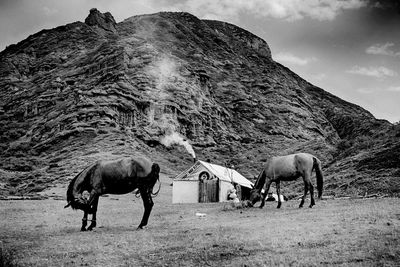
x,y
206,182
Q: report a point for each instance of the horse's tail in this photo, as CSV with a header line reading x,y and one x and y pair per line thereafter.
x,y
320,176
155,170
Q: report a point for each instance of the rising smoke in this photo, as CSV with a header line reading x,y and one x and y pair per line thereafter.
x,y
165,74
176,138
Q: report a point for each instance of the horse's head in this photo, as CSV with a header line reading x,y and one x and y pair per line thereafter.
x,y
255,196
255,193
79,201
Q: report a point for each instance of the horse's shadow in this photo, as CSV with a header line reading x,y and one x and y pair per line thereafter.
x,y
117,229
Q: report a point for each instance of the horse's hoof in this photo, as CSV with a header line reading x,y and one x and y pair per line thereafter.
x,y
278,207
83,229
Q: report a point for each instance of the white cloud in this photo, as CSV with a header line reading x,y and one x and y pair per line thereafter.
x,y
292,59
365,90
376,90
394,88
283,9
318,77
382,49
49,11
377,72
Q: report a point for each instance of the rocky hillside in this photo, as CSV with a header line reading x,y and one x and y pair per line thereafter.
x,y
160,85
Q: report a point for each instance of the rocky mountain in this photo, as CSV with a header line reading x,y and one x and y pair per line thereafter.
x,y
169,85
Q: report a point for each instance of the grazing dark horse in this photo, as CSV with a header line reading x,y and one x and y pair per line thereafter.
x,y
112,177
288,168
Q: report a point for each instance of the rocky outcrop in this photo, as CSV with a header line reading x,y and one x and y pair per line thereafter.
x,y
100,89
104,21
348,120
238,38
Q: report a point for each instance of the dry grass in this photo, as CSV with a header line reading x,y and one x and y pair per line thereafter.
x,y
7,256
335,232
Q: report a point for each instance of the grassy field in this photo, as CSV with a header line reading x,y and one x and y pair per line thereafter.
x,y
340,232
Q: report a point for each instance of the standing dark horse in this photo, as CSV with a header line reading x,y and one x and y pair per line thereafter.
x,y
288,168
112,177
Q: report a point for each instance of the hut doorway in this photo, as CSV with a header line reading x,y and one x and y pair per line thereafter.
x,y
208,190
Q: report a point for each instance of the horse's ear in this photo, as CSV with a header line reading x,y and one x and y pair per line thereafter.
x,y
155,168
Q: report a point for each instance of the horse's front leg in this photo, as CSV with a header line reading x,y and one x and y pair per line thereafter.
x,y
278,192
148,205
84,221
94,211
264,195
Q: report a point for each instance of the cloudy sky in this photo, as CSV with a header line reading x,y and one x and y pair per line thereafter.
x,y
350,48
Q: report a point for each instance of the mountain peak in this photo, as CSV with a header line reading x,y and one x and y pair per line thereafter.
x,y
103,20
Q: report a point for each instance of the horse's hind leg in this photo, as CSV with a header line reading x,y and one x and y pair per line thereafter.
x,y
84,221
278,192
148,205
305,193
94,210
311,194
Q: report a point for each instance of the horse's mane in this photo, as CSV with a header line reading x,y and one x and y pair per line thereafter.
x,y
260,180
70,196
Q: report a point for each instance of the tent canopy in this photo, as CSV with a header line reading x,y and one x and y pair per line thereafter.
x,y
223,173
